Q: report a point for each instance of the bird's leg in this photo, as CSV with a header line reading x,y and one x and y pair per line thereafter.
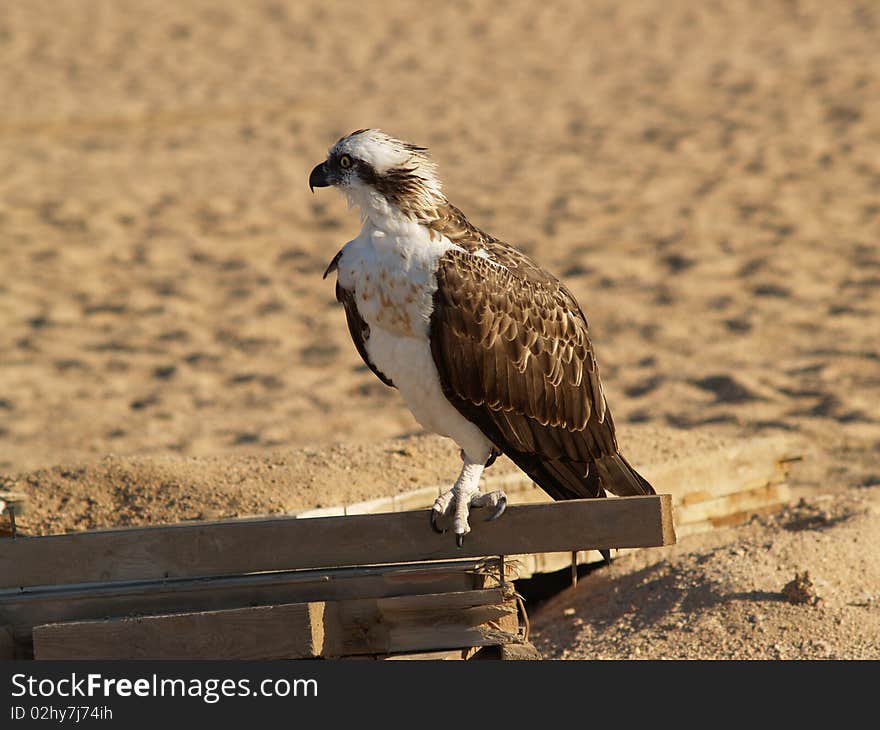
x,y
465,493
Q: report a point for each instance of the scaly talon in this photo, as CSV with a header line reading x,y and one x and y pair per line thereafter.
x,y
456,504
499,508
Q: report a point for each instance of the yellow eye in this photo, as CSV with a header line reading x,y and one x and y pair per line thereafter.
x,y
345,162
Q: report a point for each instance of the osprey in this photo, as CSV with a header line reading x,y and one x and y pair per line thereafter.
x,y
484,345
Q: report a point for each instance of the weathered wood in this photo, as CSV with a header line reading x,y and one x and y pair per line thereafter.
x,y
289,631
696,512
336,628
729,520
722,508
716,474
691,477
419,623
22,609
243,546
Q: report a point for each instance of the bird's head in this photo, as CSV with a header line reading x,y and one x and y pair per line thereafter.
x,y
378,172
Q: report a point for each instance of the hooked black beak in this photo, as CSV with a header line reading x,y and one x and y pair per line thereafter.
x,y
318,178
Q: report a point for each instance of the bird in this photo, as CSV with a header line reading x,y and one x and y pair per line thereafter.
x,y
485,346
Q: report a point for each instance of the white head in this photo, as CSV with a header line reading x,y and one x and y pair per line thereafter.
x,y
381,174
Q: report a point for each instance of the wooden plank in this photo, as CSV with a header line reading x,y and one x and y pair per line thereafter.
x,y
287,543
697,476
22,609
289,631
696,512
419,623
745,465
337,628
728,520
720,508
715,475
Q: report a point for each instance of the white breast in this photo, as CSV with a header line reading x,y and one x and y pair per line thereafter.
x,y
393,276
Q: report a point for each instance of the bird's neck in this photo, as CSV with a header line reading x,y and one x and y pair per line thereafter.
x,y
379,213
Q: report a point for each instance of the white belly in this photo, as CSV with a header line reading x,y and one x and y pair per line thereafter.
x,y
410,365
393,279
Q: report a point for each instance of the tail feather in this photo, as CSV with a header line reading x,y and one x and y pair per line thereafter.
x,y
574,480
618,477
565,479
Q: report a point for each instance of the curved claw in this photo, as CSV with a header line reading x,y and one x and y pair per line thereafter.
x,y
434,523
459,539
499,510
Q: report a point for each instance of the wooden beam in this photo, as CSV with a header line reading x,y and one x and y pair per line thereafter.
x,y
288,631
336,628
725,508
689,476
287,543
715,473
420,623
693,512
22,609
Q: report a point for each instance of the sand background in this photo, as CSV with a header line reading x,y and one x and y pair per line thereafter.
x,y
704,176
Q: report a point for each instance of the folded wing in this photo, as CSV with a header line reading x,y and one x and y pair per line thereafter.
x,y
513,352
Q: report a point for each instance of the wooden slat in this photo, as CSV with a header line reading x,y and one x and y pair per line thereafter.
x,y
697,476
289,631
728,505
747,464
716,474
419,623
336,628
243,546
23,609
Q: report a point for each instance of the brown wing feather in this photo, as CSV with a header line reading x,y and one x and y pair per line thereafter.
x,y
513,352
357,328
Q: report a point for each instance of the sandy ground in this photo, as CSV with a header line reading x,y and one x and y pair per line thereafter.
x,y
704,176
800,584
